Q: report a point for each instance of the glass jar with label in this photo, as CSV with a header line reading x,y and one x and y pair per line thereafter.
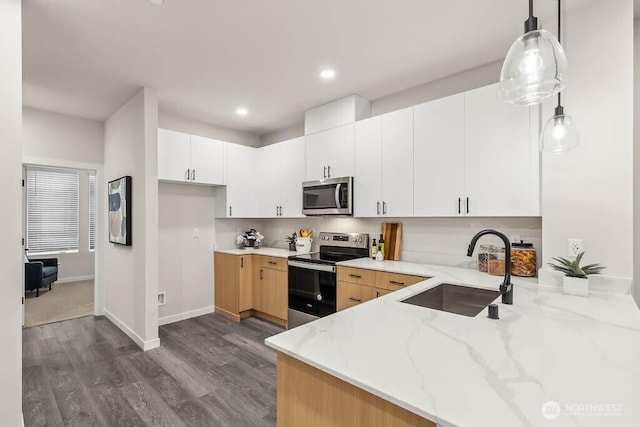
x,y
523,259
496,261
483,257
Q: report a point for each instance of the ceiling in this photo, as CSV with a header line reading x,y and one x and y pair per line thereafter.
x,y
206,57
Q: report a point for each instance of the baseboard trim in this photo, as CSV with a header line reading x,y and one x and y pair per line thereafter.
x,y
184,316
144,345
75,279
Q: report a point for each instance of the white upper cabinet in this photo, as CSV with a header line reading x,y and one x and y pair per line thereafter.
x,y
383,178
397,163
438,162
174,155
476,156
207,160
292,174
267,181
330,153
367,179
189,158
501,156
240,179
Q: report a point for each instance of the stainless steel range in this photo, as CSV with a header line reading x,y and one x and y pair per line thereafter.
x,y
312,277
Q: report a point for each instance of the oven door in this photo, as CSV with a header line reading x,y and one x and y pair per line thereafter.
x,y
328,197
312,288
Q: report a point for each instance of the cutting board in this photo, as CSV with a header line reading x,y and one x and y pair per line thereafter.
x,y
392,233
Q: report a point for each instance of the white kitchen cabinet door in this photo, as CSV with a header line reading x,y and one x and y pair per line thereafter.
x,y
397,163
329,154
501,171
292,174
367,179
240,179
173,155
207,161
267,181
438,163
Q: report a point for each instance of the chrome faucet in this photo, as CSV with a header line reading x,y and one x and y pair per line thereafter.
x,y
506,288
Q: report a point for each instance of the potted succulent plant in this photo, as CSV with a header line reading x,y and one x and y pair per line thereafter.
x,y
575,277
291,239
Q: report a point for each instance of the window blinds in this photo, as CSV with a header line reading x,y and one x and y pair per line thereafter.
x,y
92,211
52,210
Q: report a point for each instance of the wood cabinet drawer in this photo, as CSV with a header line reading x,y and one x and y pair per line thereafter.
x,y
272,262
350,294
380,292
357,275
393,281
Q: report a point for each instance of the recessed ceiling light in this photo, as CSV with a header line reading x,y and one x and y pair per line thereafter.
x,y
157,2
327,74
241,111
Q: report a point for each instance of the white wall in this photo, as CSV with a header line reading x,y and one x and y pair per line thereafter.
x,y
587,194
427,240
185,262
53,136
11,214
208,130
131,273
53,139
636,160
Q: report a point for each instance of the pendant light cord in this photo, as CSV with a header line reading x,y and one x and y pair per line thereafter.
x,y
530,8
559,29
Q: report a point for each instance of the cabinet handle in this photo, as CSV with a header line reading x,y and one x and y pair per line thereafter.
x,y
459,208
355,299
328,171
280,210
393,282
260,274
230,211
384,208
273,263
356,276
241,262
377,294
378,208
467,205
277,211
325,172
188,175
193,175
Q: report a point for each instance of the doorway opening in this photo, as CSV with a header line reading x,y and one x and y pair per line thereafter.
x,y
59,229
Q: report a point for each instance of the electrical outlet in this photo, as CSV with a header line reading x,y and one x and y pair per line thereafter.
x,y
196,233
162,298
575,247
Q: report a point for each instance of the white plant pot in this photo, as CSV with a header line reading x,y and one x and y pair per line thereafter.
x,y
303,244
575,286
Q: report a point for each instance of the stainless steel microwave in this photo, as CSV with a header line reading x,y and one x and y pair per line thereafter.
x,y
328,197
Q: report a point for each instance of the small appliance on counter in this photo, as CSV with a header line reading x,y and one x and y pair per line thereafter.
x,y
313,279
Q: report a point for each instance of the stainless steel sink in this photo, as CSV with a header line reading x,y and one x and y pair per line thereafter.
x,y
454,299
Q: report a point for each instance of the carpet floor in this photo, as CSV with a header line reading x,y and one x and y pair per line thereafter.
x,y
64,301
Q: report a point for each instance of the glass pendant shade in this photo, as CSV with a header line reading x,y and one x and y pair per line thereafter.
x,y
560,135
534,70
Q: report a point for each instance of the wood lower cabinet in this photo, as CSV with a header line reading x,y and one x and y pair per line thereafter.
x,y
358,285
246,285
350,294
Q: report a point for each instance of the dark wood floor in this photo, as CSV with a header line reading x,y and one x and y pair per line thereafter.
x,y
208,372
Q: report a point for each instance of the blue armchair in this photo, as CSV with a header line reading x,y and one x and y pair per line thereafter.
x,y
40,273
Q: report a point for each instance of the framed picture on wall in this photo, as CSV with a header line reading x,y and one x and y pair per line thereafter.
x,y
119,191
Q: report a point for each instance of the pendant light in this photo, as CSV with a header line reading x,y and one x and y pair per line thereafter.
x,y
535,67
560,133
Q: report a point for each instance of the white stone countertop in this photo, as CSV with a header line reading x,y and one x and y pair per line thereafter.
x,y
275,252
582,354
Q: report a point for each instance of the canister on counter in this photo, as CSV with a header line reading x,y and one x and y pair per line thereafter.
x,y
523,259
483,257
496,261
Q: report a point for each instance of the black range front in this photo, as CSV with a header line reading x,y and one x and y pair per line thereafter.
x,y
312,277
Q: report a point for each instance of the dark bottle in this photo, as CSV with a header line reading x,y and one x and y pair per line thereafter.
x,y
374,249
381,246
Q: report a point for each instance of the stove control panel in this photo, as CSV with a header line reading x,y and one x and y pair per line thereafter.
x,y
345,240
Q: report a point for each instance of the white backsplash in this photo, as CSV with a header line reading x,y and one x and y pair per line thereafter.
x,y
426,240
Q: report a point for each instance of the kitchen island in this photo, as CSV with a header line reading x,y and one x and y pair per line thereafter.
x,y
551,359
